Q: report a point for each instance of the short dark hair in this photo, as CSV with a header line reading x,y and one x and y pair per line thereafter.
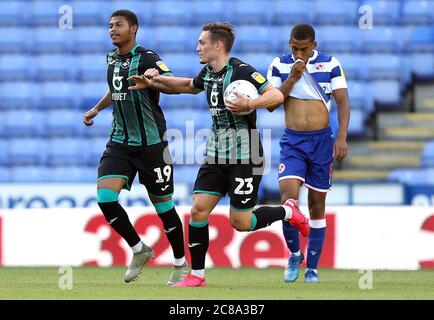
x,y
303,31
221,31
129,16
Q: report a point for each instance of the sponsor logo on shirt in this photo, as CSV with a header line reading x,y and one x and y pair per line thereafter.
x,y
162,66
258,77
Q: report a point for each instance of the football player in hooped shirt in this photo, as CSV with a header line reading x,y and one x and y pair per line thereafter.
x,y
307,78
234,160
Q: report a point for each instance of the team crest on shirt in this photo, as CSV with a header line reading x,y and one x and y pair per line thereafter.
x,y
126,64
162,66
319,66
110,60
281,168
258,77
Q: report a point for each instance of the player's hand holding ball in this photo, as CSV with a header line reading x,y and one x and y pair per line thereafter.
x,y
237,97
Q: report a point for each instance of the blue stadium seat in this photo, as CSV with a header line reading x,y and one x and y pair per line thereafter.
x,y
62,123
271,120
17,67
96,149
213,10
385,12
428,154
94,12
361,96
260,61
338,38
336,12
291,12
45,13
92,40
419,39
422,65
146,37
58,95
417,12
92,67
175,39
251,12
76,152
381,39
356,126
354,65
181,101
4,150
143,9
178,118
5,174
101,126
256,39
412,176
173,12
30,174
55,67
185,174
73,174
27,151
19,95
270,181
384,66
15,40
90,93
14,14
24,123
183,64
386,92
53,40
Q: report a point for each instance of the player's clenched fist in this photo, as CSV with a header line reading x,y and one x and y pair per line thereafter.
x,y
88,116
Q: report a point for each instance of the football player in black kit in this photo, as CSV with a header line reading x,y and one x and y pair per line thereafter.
x,y
136,145
234,160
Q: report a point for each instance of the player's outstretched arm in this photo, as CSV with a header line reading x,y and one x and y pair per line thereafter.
x,y
166,84
270,97
101,105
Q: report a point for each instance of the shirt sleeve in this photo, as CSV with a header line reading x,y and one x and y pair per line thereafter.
x,y
153,60
247,72
198,80
273,74
337,76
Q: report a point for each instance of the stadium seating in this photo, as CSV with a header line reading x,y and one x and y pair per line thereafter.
x,y
428,154
213,10
386,12
50,75
27,151
18,67
23,123
417,12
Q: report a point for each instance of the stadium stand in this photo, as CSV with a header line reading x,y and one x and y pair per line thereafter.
x,y
50,76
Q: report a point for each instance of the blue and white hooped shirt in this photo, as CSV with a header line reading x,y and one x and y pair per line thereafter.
x,y
321,70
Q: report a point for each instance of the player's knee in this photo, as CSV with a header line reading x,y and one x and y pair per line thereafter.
x,y
199,213
240,224
316,210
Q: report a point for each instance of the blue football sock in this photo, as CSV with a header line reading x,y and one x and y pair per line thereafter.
x,y
291,236
316,241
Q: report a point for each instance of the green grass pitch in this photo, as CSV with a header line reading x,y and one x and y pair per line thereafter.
x,y
222,284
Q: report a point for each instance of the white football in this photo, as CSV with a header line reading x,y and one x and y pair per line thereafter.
x,y
243,87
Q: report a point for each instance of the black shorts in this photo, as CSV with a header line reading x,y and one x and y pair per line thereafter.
x,y
240,181
154,165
